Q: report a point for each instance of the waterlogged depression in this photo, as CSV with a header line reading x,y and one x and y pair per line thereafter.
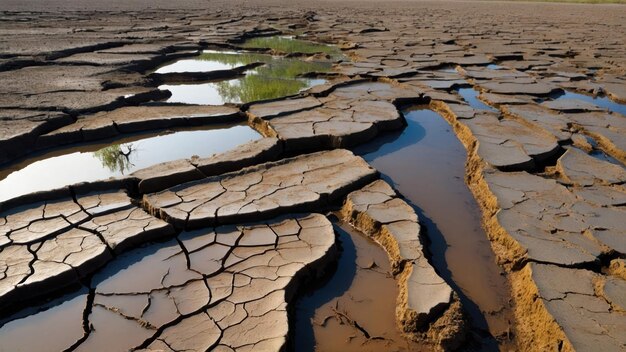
x,y
279,76
426,163
116,158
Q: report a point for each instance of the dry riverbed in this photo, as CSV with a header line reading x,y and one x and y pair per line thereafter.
x,y
312,176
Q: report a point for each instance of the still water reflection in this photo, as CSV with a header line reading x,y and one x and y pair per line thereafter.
x,y
101,161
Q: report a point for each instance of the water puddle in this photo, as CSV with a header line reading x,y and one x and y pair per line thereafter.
x,y
211,60
363,290
116,158
494,67
426,163
597,153
448,69
278,77
54,326
470,95
600,155
125,284
603,102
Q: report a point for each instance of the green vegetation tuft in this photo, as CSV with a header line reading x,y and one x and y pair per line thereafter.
x,y
277,78
235,59
290,46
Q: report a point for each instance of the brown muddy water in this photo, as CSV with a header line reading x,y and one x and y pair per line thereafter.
x,y
355,309
426,163
52,326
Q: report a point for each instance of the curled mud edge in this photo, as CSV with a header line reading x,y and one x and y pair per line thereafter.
x,y
534,327
441,324
312,272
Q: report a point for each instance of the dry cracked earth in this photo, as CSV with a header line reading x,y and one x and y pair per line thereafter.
x,y
214,252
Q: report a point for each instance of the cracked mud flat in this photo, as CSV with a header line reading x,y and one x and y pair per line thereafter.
x,y
546,169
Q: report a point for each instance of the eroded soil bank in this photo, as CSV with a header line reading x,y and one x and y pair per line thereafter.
x,y
426,163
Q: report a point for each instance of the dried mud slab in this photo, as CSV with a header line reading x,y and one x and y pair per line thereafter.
x,y
227,288
72,88
570,309
161,176
504,143
297,184
136,119
352,113
49,245
605,128
554,234
428,310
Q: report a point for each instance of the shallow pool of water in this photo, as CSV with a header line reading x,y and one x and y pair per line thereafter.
x,y
211,60
448,69
237,91
494,67
470,95
603,102
426,163
116,158
53,326
278,77
600,155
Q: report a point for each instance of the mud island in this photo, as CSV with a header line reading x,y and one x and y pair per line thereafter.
x,y
312,176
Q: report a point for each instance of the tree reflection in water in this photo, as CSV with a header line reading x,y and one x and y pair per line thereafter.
x,y
116,157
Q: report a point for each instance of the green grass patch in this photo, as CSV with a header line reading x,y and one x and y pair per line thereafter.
x,y
235,59
279,77
290,46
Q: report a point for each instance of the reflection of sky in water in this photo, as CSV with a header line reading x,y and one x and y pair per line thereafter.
x,y
278,77
448,69
214,93
201,94
598,154
59,171
471,97
204,63
193,65
602,102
